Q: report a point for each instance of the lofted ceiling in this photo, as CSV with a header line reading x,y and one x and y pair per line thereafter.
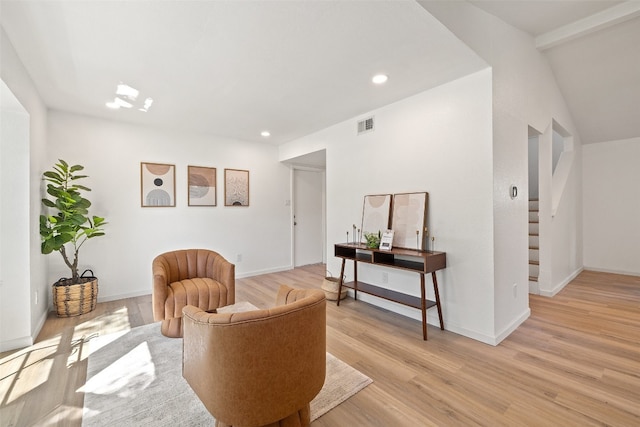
x,y
236,68
593,50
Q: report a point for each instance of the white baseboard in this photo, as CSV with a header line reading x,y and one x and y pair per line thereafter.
x,y
513,326
39,325
607,270
26,341
432,319
560,286
267,271
106,298
16,343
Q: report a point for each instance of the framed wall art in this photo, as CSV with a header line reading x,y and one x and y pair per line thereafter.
x,y
157,185
236,187
202,186
409,220
376,212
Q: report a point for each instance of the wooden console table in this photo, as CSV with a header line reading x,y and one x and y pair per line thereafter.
x,y
421,262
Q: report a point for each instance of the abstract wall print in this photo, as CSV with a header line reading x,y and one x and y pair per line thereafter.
x,y
409,220
375,214
158,185
236,187
202,186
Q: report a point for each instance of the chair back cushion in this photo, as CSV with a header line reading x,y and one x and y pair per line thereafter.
x,y
257,367
188,263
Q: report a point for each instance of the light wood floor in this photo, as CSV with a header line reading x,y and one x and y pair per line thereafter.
x,y
574,362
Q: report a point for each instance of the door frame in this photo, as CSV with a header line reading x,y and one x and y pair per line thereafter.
x,y
323,195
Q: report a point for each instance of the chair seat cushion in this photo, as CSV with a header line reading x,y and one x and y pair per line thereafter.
x,y
202,292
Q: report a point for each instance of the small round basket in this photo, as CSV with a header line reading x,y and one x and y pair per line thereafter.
x,y
330,287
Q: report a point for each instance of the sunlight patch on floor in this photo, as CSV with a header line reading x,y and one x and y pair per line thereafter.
x,y
26,369
126,376
105,323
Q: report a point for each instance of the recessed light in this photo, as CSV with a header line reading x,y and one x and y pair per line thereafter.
x,y
265,133
380,78
119,102
147,104
127,91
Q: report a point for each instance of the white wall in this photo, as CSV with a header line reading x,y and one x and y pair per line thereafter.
x,y
111,153
14,227
26,262
611,199
558,148
533,167
438,141
524,93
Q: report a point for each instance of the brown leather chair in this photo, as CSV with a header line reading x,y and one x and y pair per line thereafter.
x,y
258,368
197,277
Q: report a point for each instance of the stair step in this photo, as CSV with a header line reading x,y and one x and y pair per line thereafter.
x,y
533,279
533,262
534,234
534,221
535,248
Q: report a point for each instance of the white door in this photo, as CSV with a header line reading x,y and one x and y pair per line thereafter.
x,y
307,217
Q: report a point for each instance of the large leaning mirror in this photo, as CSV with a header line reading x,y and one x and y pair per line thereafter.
x,y
375,214
409,220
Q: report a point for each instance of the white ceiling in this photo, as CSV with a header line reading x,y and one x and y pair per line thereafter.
x,y
234,68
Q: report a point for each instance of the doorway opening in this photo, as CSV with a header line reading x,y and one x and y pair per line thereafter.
x,y
534,211
308,209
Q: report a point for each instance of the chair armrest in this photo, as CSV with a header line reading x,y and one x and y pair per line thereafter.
x,y
288,295
225,273
160,283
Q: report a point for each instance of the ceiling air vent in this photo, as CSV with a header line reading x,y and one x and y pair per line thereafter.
x,y
365,125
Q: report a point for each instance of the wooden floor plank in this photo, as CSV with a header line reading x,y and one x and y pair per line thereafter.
x,y
575,361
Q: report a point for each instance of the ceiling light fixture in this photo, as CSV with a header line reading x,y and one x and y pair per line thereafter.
x,y
380,78
265,133
147,104
127,91
127,97
119,102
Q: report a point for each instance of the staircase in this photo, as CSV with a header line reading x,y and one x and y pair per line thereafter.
x,y
534,246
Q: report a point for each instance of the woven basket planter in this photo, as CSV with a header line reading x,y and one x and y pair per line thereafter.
x,y
75,299
330,286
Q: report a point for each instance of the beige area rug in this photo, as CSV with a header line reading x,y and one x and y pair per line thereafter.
x,y
134,378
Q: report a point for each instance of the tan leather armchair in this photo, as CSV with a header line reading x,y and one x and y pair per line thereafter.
x,y
258,368
197,277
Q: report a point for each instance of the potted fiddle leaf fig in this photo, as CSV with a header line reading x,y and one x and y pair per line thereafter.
x,y
65,229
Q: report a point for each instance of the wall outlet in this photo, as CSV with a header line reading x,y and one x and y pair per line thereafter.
x,y
239,258
515,290
385,277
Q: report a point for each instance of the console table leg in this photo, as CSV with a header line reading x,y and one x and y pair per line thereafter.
x,y
355,280
341,281
423,303
435,290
